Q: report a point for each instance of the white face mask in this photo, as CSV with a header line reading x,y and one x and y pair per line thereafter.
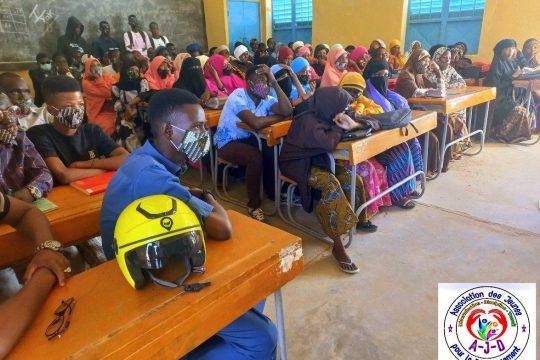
x,y
45,67
341,66
195,144
69,116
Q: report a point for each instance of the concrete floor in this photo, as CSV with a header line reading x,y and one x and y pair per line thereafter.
x,y
480,222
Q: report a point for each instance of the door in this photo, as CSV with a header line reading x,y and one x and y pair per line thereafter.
x,y
244,22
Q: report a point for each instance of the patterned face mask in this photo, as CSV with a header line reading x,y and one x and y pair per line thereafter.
x,y
25,105
260,90
195,144
8,135
9,117
69,116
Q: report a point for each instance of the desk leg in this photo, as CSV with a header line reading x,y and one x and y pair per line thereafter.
x,y
425,151
442,147
486,115
353,202
280,325
277,183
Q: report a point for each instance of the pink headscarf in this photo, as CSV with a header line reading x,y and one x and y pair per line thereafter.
x,y
303,51
332,75
355,55
178,60
230,82
155,82
381,43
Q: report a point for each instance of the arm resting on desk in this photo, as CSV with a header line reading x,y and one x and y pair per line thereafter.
x,y
65,175
18,312
217,225
258,122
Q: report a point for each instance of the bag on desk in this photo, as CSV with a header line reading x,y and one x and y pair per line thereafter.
x,y
361,132
393,119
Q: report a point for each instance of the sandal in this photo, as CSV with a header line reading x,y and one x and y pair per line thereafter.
x,y
414,195
346,266
367,226
406,204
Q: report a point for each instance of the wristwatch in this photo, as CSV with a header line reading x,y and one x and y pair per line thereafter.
x,y
50,244
35,192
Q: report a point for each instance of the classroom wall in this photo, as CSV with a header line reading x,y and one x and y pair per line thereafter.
x,y
358,22
217,28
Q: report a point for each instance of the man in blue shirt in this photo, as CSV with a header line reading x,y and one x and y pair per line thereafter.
x,y
153,169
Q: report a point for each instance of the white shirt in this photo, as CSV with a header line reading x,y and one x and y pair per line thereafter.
x,y
37,116
108,70
159,42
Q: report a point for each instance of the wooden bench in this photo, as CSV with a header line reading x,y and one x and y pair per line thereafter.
x,y
457,100
75,220
111,320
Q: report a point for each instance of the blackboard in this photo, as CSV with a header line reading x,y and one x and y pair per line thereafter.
x,y
31,26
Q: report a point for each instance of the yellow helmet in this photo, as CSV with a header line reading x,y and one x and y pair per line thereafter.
x,y
150,231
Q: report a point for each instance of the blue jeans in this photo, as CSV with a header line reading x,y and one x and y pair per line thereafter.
x,y
252,336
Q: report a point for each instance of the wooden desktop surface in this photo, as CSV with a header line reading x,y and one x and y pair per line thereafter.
x,y
459,99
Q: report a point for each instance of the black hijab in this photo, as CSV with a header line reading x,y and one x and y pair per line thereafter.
x,y
327,102
125,83
191,77
380,83
501,70
286,83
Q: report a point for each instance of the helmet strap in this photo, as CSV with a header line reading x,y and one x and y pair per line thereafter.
x,y
178,282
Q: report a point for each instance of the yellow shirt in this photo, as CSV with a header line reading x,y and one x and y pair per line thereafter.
x,y
366,106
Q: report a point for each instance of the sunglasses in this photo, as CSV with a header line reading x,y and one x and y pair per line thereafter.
x,y
62,319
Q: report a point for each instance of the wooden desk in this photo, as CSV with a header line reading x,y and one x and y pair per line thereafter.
x,y
457,100
111,320
212,117
272,134
360,150
75,220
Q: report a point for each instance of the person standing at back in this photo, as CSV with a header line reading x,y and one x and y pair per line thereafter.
x,y
38,74
157,39
136,39
72,38
104,43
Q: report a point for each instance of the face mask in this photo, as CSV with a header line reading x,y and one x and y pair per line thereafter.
x,y
419,68
381,84
8,135
163,73
45,67
227,71
98,71
288,62
304,79
195,144
133,75
260,90
341,66
25,105
69,117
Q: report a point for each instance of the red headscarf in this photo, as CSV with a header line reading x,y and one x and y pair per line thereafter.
x,y
230,82
284,53
332,75
155,82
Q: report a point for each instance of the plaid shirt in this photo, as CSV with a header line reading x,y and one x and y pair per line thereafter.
x,y
21,165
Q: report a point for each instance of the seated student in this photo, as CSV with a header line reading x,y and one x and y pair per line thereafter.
x,y
271,45
242,61
72,38
452,80
212,51
510,123
113,59
335,68
527,57
304,159
154,169
194,49
135,39
253,45
142,61
459,61
23,173
160,74
47,267
397,60
156,38
374,46
76,65
72,150
104,43
263,57
257,109
60,65
39,73
320,55
192,79
301,68
16,88
127,93
412,82
97,88
162,51
219,77
358,59
285,55
222,50
171,48
415,45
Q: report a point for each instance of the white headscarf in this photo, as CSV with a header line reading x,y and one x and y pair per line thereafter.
x,y
297,44
240,49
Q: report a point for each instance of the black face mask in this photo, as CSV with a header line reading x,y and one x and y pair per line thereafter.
x,y
163,73
227,71
304,79
380,83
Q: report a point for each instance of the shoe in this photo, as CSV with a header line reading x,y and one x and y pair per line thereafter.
x,y
257,214
405,204
296,201
367,226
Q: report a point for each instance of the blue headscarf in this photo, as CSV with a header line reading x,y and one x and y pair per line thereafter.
x,y
298,64
193,47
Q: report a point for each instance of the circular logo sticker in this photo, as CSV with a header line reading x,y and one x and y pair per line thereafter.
x,y
485,323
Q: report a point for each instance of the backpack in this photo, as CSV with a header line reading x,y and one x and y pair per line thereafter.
x,y
143,35
152,40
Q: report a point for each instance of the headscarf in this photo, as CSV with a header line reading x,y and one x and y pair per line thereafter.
x,y
318,49
353,80
462,44
337,46
191,78
435,48
393,43
412,45
529,60
501,68
297,44
378,90
91,87
303,51
221,48
381,43
414,58
331,74
328,102
178,60
438,53
239,50
230,82
284,52
155,82
408,80
357,53
298,64
125,83
286,83
203,59
193,47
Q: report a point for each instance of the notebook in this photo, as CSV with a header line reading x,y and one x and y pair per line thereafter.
x,y
45,205
94,184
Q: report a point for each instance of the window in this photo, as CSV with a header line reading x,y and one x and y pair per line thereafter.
x,y
445,22
291,20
